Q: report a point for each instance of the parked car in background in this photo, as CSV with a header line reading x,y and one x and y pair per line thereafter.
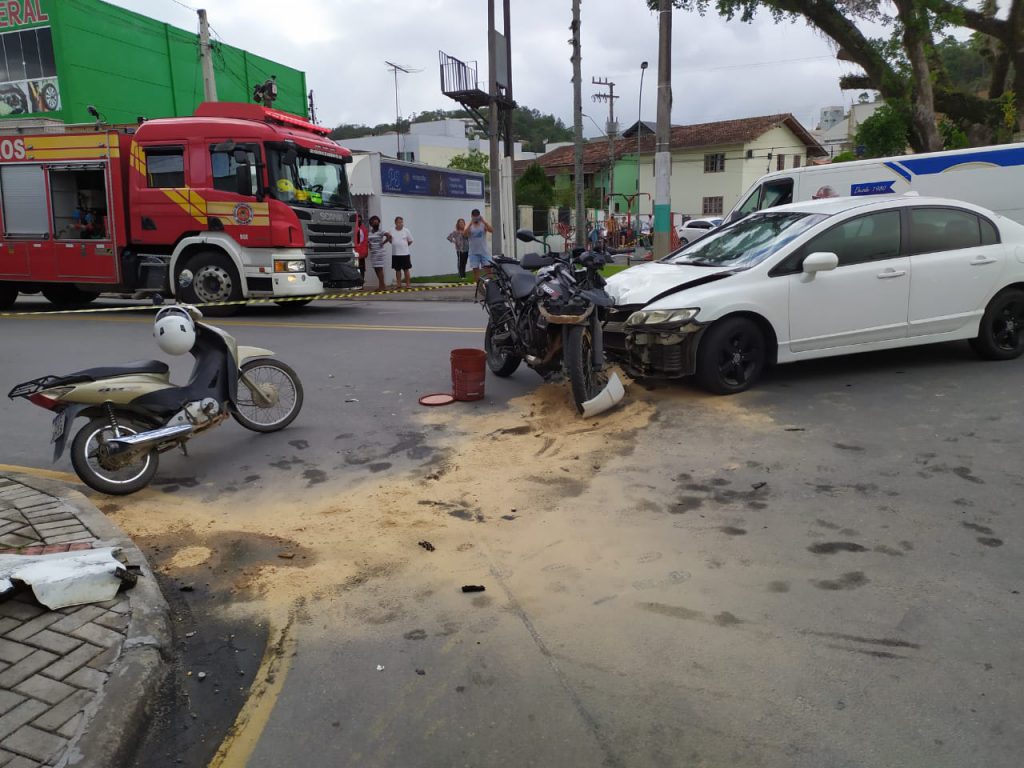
x,y
694,229
822,278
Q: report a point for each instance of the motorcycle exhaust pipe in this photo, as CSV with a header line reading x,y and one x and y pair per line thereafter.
x,y
150,438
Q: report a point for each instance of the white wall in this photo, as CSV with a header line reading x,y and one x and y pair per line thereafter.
x,y
430,219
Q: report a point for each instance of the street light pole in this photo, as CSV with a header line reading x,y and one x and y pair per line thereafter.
x,y
663,150
639,133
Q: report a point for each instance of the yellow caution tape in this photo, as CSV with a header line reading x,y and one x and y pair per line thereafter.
x,y
240,302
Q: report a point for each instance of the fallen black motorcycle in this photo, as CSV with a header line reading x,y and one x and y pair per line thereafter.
x,y
546,310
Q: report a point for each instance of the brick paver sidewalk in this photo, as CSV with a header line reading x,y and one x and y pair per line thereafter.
x,y
52,663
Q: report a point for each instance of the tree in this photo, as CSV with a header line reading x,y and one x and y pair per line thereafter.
x,y
907,68
474,160
884,133
535,188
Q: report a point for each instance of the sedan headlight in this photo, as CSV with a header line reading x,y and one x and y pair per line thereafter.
x,y
296,265
662,317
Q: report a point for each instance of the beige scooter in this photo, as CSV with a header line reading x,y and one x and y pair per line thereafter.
x,y
135,413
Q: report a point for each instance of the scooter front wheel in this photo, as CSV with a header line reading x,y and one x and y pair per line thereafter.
x,y
96,472
276,401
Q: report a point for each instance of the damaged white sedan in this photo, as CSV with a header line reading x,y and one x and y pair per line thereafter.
x,y
822,278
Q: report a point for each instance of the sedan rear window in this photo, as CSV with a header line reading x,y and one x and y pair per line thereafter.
x,y
746,242
943,229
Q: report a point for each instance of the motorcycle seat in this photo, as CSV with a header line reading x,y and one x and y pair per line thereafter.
x,y
523,283
111,371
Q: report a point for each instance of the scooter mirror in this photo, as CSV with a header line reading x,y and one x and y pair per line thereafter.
x,y
185,278
525,235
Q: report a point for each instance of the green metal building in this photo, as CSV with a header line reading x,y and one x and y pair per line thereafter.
x,y
59,56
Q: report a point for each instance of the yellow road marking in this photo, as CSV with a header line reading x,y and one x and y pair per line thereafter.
x,y
46,474
259,324
244,734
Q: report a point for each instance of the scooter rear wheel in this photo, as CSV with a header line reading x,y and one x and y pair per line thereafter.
x,y
276,381
116,482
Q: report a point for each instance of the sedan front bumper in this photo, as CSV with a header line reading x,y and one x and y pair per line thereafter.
x,y
652,352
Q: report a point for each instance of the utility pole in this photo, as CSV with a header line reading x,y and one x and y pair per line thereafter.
x,y
577,113
612,129
209,83
494,131
663,150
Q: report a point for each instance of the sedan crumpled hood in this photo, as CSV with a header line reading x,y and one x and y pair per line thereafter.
x,y
640,284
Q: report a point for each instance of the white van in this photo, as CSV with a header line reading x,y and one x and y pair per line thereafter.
x,y
992,177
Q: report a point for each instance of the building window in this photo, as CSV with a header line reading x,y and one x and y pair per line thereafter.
x,y
714,163
796,161
409,157
165,167
780,162
711,206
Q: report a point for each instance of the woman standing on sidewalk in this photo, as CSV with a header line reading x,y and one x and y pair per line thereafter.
x,y
401,255
457,237
377,250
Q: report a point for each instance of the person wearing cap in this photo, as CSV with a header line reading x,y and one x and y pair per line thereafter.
x,y
476,238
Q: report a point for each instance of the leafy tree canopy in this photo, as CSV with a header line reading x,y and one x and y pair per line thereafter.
x,y
918,68
535,188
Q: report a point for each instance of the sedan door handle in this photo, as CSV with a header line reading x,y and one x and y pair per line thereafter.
x,y
982,260
890,273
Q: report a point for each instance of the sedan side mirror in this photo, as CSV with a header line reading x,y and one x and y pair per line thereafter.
x,y
820,261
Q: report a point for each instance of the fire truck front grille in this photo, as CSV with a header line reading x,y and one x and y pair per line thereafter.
x,y
328,238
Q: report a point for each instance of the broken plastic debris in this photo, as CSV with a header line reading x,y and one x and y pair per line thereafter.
x,y
351,400
190,634
474,588
380,667
63,579
427,546
421,671
201,675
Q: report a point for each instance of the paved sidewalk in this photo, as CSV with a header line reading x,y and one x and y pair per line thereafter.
x,y
75,683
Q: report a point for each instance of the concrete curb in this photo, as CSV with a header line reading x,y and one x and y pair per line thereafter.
x,y
120,712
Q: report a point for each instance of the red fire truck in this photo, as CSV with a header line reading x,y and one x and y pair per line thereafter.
x,y
253,202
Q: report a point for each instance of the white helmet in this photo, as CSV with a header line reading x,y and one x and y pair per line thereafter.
x,y
174,330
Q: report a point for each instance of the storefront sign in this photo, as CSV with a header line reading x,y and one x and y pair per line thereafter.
x,y
18,13
429,182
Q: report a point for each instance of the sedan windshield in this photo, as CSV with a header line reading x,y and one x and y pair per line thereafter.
x,y
310,180
746,242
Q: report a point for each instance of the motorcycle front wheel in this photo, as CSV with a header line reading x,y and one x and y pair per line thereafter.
x,y
85,458
278,401
579,363
501,360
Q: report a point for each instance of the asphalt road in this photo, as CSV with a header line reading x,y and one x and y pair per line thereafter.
x,y
825,571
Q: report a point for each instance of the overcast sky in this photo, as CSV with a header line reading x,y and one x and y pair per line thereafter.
x,y
720,69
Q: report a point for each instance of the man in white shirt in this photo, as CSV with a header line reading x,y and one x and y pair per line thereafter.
x,y
401,256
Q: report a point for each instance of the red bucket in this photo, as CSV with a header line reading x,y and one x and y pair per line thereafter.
x,y
469,369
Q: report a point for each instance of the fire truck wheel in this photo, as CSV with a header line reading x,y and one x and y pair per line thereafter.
x,y
8,295
214,279
68,295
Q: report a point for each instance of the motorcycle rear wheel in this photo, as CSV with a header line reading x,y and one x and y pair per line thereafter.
x,y
116,482
579,364
502,362
280,383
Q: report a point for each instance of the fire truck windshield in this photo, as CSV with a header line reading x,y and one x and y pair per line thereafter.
x,y
311,180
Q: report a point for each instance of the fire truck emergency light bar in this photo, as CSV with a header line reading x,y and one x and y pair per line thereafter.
x,y
257,113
